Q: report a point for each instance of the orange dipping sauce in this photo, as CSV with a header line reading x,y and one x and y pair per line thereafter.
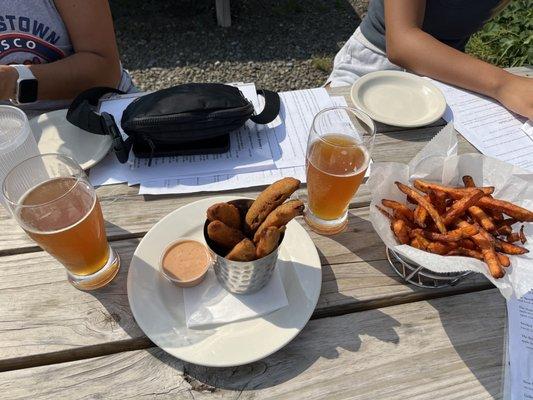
x,y
185,262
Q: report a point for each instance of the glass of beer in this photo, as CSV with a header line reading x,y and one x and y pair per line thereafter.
x,y
52,200
338,154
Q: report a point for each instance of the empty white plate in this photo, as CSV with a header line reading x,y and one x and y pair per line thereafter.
x,y
158,308
398,98
54,134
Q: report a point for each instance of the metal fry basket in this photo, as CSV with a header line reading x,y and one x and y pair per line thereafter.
x,y
419,276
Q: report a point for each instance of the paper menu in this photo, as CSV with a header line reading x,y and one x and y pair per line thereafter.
x,y
288,141
220,182
249,152
520,347
492,129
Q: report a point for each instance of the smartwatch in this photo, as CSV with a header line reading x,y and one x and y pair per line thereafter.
x,y
27,86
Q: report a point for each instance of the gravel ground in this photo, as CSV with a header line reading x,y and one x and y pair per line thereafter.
x,y
280,45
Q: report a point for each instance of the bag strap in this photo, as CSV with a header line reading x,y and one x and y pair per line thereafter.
x,y
82,111
271,109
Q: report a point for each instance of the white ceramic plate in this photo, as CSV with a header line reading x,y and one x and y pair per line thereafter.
x,y
158,308
398,98
54,134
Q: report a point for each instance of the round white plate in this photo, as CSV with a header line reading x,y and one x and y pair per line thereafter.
x,y
54,134
398,98
158,308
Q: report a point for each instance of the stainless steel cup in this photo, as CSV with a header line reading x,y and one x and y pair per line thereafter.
x,y
242,277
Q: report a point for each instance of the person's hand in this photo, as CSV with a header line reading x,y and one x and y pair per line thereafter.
x,y
516,94
8,82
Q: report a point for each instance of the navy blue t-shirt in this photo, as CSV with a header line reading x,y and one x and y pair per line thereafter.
x,y
450,21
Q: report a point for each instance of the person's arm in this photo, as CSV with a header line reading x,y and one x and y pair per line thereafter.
x,y
94,63
412,48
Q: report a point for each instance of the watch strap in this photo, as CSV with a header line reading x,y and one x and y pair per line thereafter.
x,y
23,71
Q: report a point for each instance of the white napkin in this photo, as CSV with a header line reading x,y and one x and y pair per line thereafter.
x,y
210,304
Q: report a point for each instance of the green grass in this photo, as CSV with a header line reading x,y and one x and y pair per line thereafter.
x,y
507,39
322,63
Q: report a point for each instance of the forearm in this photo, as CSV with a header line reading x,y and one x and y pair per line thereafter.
x,y
66,78
420,52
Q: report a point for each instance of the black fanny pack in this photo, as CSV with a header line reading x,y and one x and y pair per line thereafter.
x,y
194,118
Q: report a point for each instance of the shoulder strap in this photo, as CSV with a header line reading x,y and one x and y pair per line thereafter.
x,y
271,109
82,110
83,114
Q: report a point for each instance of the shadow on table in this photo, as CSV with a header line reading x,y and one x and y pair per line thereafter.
x,y
479,340
317,340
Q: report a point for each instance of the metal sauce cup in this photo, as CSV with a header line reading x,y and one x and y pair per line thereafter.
x,y
242,277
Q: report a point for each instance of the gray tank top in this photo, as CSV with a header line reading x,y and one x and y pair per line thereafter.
x,y
33,32
450,21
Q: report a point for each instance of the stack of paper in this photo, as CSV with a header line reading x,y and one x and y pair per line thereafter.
x,y
259,155
491,128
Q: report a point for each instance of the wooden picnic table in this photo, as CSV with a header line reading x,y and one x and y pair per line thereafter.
x,y
371,336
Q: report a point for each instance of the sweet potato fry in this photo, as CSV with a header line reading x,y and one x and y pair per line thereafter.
x,y
411,200
454,192
504,230
441,248
397,215
467,244
512,210
438,199
401,231
487,250
463,251
483,219
401,208
491,259
451,236
422,241
420,216
508,221
424,203
509,248
468,181
523,238
460,206
384,212
416,244
504,260
513,237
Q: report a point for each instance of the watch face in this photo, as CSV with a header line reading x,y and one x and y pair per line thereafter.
x,y
27,91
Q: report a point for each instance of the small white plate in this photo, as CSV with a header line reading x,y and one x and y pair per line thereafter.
x,y
158,307
54,134
398,98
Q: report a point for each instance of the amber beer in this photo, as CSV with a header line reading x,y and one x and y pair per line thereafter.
x,y
72,228
336,165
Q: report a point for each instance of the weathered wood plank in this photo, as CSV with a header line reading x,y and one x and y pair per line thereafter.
x,y
448,348
41,313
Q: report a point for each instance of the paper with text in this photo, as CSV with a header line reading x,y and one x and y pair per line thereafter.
x,y
520,351
493,130
249,152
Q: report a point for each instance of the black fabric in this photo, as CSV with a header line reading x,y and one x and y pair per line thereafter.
x,y
187,119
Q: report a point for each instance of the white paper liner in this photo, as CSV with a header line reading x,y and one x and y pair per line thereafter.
x,y
438,161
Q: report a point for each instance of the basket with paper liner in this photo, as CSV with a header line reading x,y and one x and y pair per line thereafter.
x,y
245,235
444,215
